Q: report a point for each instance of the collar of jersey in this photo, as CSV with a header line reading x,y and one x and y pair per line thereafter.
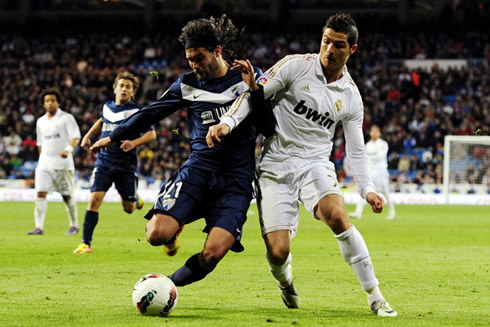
x,y
338,84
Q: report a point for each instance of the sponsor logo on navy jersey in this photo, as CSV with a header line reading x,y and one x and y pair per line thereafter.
x,y
210,117
109,127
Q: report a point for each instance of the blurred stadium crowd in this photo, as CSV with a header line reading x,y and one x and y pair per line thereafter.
x,y
415,108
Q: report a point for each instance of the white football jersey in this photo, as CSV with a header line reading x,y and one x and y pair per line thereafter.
x,y
377,152
53,136
307,109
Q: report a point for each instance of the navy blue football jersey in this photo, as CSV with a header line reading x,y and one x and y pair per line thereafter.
x,y
206,102
113,157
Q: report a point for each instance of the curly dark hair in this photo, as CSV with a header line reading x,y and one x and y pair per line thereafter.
x,y
343,23
51,91
209,33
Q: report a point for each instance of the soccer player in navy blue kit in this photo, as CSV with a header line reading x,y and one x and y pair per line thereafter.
x,y
213,183
119,163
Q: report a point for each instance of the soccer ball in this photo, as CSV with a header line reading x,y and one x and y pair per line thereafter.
x,y
155,295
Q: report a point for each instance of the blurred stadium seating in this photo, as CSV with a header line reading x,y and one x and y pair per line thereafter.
x,y
79,46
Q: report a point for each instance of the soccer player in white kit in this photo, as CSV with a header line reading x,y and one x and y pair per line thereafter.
x,y
377,152
57,136
310,94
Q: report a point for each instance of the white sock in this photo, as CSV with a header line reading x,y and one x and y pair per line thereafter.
x,y
71,210
282,273
355,253
40,208
374,294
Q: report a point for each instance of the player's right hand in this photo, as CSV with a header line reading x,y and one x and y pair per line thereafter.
x,y
248,74
86,143
375,201
101,144
215,132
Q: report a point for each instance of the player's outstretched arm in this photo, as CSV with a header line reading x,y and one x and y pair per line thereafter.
x,y
129,145
95,129
215,132
261,110
375,201
101,144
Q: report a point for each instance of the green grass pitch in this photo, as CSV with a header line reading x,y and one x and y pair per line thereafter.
x,y
432,263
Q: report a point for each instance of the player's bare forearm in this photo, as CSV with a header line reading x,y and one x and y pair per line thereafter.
x,y
215,132
75,142
375,201
86,142
248,75
95,129
145,138
101,144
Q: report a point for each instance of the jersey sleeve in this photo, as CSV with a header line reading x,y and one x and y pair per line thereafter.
x,y
143,120
262,114
356,151
39,138
272,81
72,129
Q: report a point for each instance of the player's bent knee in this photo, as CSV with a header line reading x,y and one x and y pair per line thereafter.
x,y
212,256
337,220
278,255
156,237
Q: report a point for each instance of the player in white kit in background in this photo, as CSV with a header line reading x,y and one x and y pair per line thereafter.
x,y
57,136
377,151
310,94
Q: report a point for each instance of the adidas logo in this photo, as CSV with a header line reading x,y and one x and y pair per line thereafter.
x,y
306,88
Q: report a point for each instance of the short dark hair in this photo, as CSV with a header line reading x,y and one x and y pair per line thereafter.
x,y
209,33
51,91
343,23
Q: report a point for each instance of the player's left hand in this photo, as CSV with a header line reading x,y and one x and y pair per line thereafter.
x,y
375,201
127,145
248,74
215,132
101,144
64,154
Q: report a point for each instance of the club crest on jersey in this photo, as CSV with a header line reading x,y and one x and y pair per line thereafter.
x,y
168,203
237,90
262,81
338,105
306,88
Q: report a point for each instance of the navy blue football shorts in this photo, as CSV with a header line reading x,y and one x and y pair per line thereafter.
x,y
193,193
126,182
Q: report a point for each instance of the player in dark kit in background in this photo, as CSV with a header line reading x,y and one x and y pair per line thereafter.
x,y
213,183
118,164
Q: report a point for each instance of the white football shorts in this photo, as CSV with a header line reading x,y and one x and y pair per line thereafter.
x,y
284,185
61,181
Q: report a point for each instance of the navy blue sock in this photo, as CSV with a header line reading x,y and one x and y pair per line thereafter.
x,y
91,219
190,272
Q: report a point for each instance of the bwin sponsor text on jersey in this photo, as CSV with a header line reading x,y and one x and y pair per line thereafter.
x,y
313,115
